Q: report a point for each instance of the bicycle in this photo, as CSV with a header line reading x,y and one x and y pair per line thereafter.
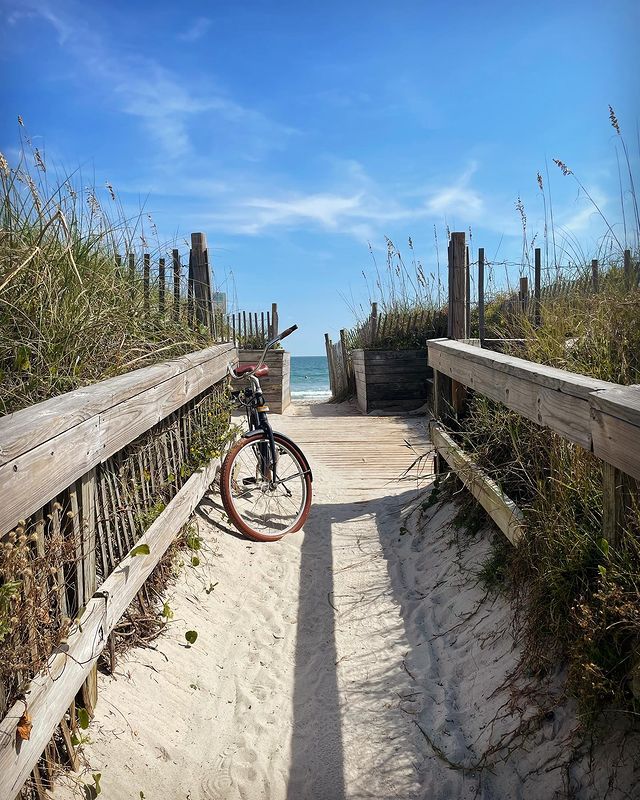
x,y
265,480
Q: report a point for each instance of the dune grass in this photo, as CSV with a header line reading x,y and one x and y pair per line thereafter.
x,y
576,595
410,304
68,316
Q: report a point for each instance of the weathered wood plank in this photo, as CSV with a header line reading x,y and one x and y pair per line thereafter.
x,y
502,510
622,402
276,387
25,429
551,377
33,478
616,441
385,379
556,398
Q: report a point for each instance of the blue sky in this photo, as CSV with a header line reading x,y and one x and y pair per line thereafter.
x,y
294,134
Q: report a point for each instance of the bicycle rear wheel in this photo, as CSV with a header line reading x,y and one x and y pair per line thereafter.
x,y
257,506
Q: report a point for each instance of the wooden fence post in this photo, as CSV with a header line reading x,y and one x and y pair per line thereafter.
x,y
132,272
613,490
146,277
457,286
176,284
523,294
537,283
457,306
88,505
190,291
327,345
595,282
481,333
274,320
348,369
467,293
201,280
373,324
161,281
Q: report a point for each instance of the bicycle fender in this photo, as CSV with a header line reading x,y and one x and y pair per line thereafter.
x,y
289,441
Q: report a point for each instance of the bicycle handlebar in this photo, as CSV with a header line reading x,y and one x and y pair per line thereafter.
x,y
268,345
286,333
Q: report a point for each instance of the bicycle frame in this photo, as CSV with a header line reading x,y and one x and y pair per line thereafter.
x,y
257,419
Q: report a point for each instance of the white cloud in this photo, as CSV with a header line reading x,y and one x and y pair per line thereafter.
x,y
585,219
458,199
358,206
141,87
198,28
34,10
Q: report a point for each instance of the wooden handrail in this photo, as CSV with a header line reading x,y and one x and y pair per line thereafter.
x,y
46,447
502,510
602,417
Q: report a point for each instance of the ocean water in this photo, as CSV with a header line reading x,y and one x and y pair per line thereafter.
x,y
309,379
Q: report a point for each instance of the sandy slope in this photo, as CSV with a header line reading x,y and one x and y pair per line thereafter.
x,y
360,659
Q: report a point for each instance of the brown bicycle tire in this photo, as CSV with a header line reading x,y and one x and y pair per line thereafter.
x,y
225,486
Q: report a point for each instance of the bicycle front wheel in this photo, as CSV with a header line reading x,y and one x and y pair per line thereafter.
x,y
258,506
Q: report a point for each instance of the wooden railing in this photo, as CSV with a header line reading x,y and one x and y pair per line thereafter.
x,y
602,417
341,375
253,329
95,486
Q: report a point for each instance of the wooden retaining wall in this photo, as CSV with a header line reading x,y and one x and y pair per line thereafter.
x,y
276,387
390,380
95,486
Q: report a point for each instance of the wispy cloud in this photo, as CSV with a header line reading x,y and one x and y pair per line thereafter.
x,y
361,207
30,11
585,219
198,28
168,106
459,199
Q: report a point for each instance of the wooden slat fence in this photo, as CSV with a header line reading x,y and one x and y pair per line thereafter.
x,y
188,284
569,281
391,331
397,330
86,479
251,330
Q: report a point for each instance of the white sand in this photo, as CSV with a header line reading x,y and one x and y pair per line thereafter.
x,y
316,660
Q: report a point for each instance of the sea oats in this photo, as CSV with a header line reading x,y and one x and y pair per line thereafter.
x,y
565,169
39,161
614,120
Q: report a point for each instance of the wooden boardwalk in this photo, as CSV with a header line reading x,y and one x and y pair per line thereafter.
x,y
372,455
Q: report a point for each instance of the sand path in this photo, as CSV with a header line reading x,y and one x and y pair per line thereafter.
x,y
322,660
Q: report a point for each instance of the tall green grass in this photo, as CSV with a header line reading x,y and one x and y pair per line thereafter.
x,y
68,316
410,304
577,596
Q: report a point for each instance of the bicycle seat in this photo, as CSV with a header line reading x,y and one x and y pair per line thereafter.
x,y
262,372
